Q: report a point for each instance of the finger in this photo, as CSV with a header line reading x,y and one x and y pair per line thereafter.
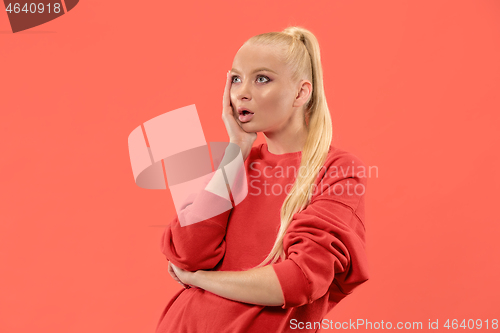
x,y
172,273
174,276
226,98
175,269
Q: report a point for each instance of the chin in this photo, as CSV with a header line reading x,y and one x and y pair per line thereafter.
x,y
247,127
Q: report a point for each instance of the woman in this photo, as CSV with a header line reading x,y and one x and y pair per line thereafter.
x,y
295,246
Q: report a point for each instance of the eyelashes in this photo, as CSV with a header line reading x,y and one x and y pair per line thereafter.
x,y
258,77
267,79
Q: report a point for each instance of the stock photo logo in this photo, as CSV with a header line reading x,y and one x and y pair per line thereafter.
x,y
25,15
170,150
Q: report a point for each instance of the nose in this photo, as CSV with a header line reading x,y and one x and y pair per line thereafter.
x,y
243,91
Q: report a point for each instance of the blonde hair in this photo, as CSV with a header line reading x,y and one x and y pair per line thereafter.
x,y
302,55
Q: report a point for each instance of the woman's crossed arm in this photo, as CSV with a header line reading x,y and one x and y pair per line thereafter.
x,y
256,286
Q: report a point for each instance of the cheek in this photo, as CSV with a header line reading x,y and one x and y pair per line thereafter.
x,y
278,101
232,98
275,97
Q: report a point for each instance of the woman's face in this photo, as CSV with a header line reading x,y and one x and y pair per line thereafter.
x,y
262,83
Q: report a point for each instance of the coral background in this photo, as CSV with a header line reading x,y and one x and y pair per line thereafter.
x,y
413,87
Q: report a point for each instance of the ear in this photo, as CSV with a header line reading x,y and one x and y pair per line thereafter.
x,y
303,92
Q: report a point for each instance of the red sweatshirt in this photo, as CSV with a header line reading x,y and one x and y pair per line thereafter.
x,y
324,247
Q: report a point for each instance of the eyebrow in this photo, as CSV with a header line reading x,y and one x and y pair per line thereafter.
x,y
257,70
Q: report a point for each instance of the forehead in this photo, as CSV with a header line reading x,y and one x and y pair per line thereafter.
x,y
253,56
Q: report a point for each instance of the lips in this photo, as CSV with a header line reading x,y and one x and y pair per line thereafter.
x,y
245,114
244,111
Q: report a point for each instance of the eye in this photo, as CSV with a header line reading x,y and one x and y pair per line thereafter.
x,y
263,76
267,79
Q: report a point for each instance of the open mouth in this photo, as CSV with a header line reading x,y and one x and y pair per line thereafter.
x,y
244,112
245,115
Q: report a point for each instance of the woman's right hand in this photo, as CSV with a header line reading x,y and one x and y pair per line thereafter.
x,y
174,276
236,133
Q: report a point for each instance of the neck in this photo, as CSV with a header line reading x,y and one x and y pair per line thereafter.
x,y
289,141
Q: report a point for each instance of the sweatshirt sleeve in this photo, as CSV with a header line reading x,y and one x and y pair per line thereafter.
x,y
198,243
325,245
